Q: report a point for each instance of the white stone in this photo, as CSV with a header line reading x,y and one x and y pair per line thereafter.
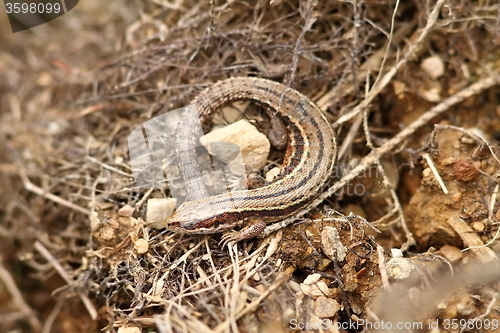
x,y
159,210
399,87
253,145
95,222
312,278
126,210
314,287
431,91
399,268
331,244
396,253
325,307
315,290
433,66
141,246
129,330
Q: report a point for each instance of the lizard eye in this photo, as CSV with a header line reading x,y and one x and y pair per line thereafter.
x,y
191,225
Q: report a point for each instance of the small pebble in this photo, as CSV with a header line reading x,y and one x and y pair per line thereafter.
x,y
448,161
451,253
129,330
331,244
399,268
325,307
312,278
126,210
478,226
457,196
314,287
141,246
464,170
399,87
466,306
433,66
396,253
158,210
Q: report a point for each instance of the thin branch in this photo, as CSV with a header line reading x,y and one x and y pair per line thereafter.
x,y
430,163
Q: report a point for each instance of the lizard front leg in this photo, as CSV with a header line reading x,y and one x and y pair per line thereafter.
x,y
253,229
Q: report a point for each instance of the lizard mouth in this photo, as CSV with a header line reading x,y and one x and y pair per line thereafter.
x,y
191,225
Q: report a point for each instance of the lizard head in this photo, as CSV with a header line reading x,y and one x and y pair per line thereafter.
x,y
195,217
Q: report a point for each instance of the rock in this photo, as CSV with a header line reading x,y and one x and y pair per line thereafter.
x,y
431,91
433,66
466,306
325,307
331,244
478,226
399,88
254,146
158,210
399,268
141,246
314,287
126,210
451,253
129,330
465,171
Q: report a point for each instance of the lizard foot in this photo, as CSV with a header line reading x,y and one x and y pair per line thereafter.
x,y
254,229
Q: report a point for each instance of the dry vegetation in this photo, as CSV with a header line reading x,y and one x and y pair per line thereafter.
x,y
411,88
